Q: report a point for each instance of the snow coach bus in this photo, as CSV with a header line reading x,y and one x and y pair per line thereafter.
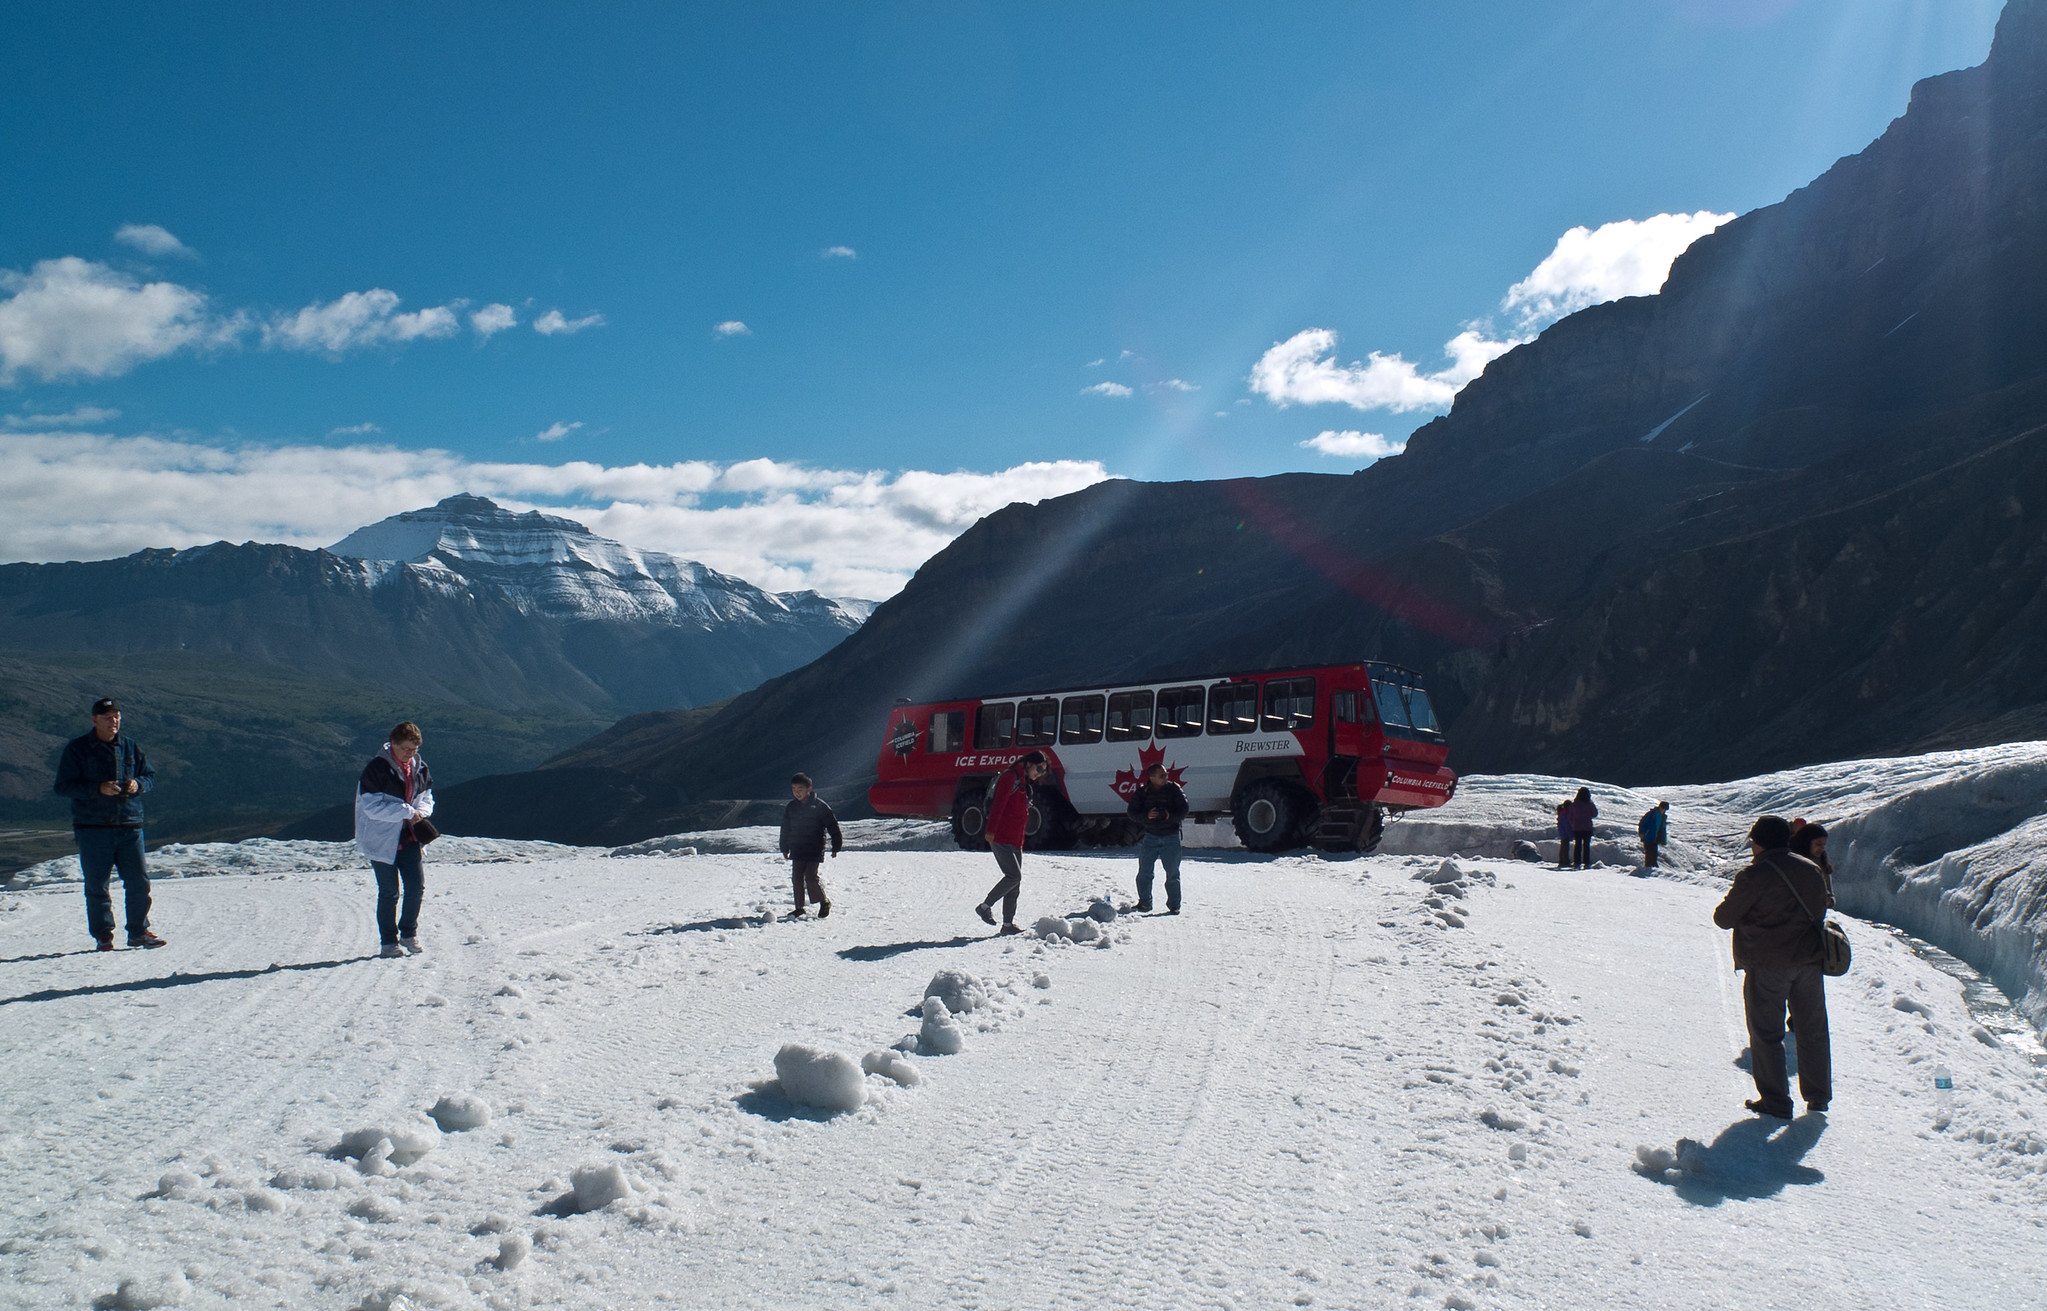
x,y
1294,757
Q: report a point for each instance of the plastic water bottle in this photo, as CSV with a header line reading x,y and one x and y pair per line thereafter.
x,y
1943,1093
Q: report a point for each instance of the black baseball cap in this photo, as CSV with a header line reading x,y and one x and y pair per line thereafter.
x,y
106,705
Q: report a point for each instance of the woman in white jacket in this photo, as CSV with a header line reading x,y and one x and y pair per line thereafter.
x,y
395,793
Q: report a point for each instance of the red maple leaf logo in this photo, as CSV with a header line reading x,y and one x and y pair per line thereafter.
x,y
1127,780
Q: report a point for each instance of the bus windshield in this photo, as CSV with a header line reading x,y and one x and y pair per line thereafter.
x,y
1405,710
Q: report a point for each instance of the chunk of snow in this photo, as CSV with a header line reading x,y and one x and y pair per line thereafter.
x,y
959,990
145,1294
939,1035
512,1251
598,1186
1083,930
1528,851
409,1141
892,1065
1049,926
1447,872
1504,1122
1041,980
178,1183
828,1080
457,1112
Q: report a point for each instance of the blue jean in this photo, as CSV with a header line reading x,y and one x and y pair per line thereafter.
x,y
391,925
100,852
1154,847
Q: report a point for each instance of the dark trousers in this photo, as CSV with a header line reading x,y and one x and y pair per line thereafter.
x,y
1765,992
1649,852
1155,848
392,924
803,873
100,852
1581,851
1010,861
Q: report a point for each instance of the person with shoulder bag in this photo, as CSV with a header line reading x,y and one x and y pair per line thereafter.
x,y
393,801
1786,951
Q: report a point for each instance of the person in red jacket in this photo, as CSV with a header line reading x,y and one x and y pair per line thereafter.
x,y
1008,809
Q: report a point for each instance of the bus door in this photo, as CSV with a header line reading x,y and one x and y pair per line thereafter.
x,y
1350,716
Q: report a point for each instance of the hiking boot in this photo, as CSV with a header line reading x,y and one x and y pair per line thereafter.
x,y
985,913
1760,1107
1006,930
1142,905
146,939
106,943
392,951
824,909
1172,910
1815,1108
800,913
411,945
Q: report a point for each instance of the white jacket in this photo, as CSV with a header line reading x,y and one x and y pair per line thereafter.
x,y
380,817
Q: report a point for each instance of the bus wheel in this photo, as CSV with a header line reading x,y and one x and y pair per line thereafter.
x,y
970,821
1266,815
1372,831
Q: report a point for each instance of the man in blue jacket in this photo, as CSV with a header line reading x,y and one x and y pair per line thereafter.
x,y
105,774
1655,831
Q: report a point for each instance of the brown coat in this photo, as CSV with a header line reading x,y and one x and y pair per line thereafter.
x,y
1770,931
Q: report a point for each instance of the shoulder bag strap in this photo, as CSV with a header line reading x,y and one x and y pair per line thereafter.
x,y
1794,893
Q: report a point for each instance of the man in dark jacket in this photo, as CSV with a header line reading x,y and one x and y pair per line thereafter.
x,y
805,822
1777,943
1159,805
105,774
1654,828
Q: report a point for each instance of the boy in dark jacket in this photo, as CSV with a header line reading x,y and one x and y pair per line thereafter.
x,y
805,823
1777,943
1159,805
105,774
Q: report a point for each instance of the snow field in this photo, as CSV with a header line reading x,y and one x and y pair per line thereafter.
x,y
1398,1081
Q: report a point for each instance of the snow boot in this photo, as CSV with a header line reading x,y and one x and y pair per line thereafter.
x,y
824,910
1006,930
985,913
1142,906
392,951
411,945
145,939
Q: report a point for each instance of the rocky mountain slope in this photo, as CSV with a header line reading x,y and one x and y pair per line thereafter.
x,y
1792,508
508,635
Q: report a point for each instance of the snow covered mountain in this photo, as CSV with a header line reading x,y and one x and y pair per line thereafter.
x,y
556,567
507,636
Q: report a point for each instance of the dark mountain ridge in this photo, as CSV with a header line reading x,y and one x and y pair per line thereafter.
x,y
1788,509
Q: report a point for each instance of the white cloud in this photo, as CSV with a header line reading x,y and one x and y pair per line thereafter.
x,y
1588,266
1095,364
838,252
78,416
491,320
72,318
554,432
1300,370
1174,384
1353,444
553,322
844,532
1106,389
354,430
356,319
152,240
731,328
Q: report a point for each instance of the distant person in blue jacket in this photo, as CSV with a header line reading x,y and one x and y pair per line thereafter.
x,y
1655,831
105,774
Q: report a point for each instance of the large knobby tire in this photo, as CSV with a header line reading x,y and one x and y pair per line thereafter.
x,y
1051,825
1268,815
1372,830
970,820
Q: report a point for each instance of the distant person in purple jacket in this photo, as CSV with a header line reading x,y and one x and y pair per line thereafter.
x,y
1582,812
1563,835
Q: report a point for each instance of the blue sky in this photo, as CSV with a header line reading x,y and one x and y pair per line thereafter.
x,y
1023,190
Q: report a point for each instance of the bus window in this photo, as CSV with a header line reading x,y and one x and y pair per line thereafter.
x,y
1037,723
1420,713
1129,716
1392,712
1344,706
948,730
1080,720
1405,711
1289,704
1232,708
1179,712
995,726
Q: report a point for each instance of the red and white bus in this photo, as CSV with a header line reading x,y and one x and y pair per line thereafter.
x,y
1296,757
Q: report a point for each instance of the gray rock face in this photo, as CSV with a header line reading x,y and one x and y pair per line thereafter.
x,y
1792,508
